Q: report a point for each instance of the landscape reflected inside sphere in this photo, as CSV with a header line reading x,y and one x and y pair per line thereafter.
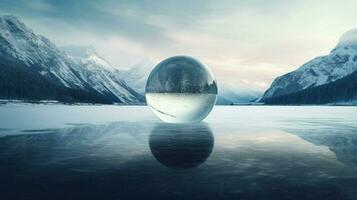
x,y
181,89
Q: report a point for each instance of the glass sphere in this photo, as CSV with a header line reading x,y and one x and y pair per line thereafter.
x,y
181,89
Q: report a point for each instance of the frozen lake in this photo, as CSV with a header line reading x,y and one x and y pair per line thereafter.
x,y
124,152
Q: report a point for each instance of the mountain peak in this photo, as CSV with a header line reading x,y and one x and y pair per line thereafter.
x,y
94,57
79,51
11,19
341,62
87,54
349,36
348,41
12,24
67,78
20,42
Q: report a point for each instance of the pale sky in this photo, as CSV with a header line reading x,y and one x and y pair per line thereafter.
x,y
243,42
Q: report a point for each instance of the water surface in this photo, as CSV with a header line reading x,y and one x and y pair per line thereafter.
x,y
113,152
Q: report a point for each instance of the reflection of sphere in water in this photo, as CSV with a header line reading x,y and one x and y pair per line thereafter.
x,y
181,89
181,146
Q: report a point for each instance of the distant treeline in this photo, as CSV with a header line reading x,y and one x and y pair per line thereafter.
x,y
19,82
342,90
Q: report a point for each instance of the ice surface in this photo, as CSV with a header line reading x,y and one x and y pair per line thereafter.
x,y
20,116
238,152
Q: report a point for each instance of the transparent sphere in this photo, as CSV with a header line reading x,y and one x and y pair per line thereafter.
x,y
181,89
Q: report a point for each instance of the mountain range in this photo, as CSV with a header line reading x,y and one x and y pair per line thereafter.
x,y
323,80
33,68
228,94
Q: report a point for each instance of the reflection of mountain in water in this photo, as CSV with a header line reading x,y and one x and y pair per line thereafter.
x,y
181,146
82,141
342,141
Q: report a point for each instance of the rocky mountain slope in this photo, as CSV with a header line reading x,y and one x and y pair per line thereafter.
x,y
343,91
321,80
33,68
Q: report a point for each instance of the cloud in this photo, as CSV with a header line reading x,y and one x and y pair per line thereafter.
x,y
252,40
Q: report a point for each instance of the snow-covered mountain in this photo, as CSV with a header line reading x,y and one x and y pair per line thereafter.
x,y
101,75
341,62
137,75
340,92
229,93
32,67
